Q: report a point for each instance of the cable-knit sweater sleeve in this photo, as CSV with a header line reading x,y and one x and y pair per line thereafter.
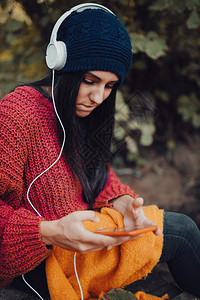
x,y
21,247
114,188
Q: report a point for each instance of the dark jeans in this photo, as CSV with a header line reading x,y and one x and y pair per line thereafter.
x,y
37,279
181,250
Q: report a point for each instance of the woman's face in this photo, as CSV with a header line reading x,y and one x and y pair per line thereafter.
x,y
95,87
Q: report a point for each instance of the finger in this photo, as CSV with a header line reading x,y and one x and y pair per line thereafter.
x,y
106,240
121,241
137,202
87,215
157,232
151,223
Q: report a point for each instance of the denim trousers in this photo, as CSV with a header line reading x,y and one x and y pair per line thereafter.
x,y
181,251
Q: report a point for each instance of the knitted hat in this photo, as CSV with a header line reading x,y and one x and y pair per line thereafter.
x,y
95,40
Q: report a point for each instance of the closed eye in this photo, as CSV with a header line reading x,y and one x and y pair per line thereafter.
x,y
87,81
90,82
91,79
111,86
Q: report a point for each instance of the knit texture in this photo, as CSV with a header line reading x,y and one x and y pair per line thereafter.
x,y
29,144
143,296
102,270
95,40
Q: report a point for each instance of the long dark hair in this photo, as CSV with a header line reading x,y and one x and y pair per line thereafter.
x,y
88,139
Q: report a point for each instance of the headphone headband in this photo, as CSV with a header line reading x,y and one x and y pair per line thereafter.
x,y
56,53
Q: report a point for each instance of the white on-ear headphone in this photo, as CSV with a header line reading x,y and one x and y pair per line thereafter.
x,y
56,53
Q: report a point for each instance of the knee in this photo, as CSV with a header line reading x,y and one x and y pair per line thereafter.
x,y
188,225
180,224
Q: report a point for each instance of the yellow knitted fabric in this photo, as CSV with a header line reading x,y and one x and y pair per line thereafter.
x,y
144,296
102,270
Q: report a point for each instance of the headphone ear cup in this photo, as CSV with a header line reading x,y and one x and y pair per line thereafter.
x,y
56,55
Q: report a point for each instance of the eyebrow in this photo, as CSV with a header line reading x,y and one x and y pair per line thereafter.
x,y
98,78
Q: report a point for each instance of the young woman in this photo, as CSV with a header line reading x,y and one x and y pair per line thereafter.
x,y
55,175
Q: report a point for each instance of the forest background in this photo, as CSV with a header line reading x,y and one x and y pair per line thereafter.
x,y
156,143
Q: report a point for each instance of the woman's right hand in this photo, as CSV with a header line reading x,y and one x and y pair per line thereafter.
x,y
69,233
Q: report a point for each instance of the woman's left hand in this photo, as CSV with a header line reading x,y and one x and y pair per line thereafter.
x,y
133,212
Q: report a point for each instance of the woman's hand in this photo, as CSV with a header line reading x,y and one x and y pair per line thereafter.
x,y
69,233
133,212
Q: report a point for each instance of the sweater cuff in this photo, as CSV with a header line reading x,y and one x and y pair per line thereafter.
x,y
111,193
22,248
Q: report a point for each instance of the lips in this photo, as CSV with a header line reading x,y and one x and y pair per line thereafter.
x,y
86,108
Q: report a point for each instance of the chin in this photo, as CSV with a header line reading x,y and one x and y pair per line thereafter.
x,y
83,114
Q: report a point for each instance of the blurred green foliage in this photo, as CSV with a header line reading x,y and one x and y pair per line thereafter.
x,y
159,102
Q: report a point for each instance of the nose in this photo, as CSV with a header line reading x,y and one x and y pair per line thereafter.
x,y
97,95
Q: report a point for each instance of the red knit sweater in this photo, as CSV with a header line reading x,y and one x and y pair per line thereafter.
x,y
29,144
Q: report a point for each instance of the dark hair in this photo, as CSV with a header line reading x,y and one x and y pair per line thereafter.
x,y
88,139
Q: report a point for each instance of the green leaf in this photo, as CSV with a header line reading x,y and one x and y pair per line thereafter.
x,y
155,48
178,6
122,109
159,5
150,44
174,6
146,139
151,35
196,120
147,132
171,5
138,42
11,37
191,4
193,21
131,145
119,132
44,21
13,26
188,107
163,95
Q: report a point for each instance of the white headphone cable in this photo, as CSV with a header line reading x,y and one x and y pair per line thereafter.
x,y
77,277
31,287
61,150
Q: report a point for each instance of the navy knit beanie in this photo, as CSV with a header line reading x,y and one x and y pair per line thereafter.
x,y
95,40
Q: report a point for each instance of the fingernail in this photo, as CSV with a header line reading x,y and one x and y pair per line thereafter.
x,y
140,199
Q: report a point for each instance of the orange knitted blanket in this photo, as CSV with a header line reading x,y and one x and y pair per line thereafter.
x,y
102,270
